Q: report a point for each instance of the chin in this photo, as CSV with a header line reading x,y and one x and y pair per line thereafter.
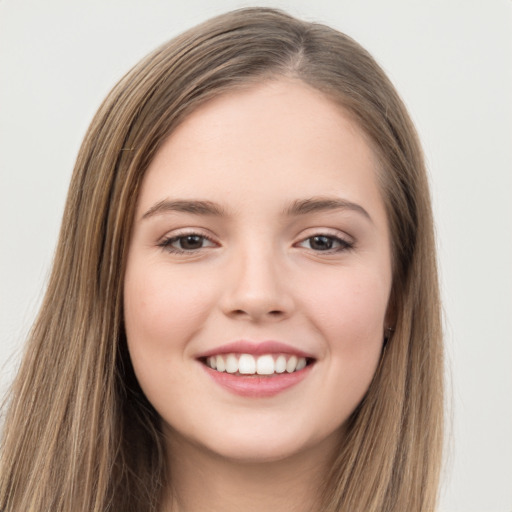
x,y
258,453
265,445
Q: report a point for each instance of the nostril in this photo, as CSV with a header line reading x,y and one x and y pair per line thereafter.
x,y
272,313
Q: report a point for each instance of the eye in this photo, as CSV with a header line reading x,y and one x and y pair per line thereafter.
x,y
186,243
325,243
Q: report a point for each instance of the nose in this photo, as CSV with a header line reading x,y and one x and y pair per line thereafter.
x,y
257,288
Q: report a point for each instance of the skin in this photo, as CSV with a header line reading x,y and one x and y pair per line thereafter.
x,y
258,275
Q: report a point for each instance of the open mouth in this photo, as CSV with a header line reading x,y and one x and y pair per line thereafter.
x,y
261,365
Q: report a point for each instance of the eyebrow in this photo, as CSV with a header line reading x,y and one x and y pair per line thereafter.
x,y
321,204
186,206
296,208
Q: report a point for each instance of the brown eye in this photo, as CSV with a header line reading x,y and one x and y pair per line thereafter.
x,y
186,243
321,243
190,242
325,243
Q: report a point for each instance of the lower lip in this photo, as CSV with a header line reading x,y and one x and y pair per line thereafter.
x,y
256,386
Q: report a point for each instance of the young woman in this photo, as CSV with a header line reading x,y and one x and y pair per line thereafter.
x,y
243,311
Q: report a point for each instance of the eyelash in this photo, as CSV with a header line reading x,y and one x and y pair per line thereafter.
x,y
343,245
166,243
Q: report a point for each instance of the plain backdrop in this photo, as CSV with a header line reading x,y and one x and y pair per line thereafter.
x,y
451,62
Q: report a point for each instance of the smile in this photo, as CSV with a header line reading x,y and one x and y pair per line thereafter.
x,y
264,364
256,369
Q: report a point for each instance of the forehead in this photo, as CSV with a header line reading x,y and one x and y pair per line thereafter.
x,y
273,141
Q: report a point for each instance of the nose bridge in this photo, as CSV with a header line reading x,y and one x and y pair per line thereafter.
x,y
257,284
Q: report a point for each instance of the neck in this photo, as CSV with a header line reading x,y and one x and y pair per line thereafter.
x,y
203,481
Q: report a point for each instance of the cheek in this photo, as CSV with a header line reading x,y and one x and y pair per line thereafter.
x,y
162,311
349,314
162,305
349,310
352,301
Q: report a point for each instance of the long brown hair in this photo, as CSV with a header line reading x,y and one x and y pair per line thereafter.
x,y
79,435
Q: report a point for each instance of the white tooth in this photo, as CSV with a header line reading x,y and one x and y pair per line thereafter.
x,y
301,363
247,364
220,364
231,364
212,362
265,365
280,364
290,365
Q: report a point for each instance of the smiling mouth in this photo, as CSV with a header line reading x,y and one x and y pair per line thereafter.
x,y
261,365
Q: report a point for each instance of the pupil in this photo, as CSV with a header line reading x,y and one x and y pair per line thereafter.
x,y
321,243
191,242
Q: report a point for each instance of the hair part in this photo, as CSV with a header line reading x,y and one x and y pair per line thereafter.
x,y
79,433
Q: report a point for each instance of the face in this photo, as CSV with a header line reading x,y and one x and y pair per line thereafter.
x,y
259,274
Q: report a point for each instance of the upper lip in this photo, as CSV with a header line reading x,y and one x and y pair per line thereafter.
x,y
255,348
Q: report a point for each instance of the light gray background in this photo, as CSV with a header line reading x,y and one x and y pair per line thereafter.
x,y
451,61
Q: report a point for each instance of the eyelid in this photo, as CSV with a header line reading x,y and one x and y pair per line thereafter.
x,y
166,241
323,231
346,242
